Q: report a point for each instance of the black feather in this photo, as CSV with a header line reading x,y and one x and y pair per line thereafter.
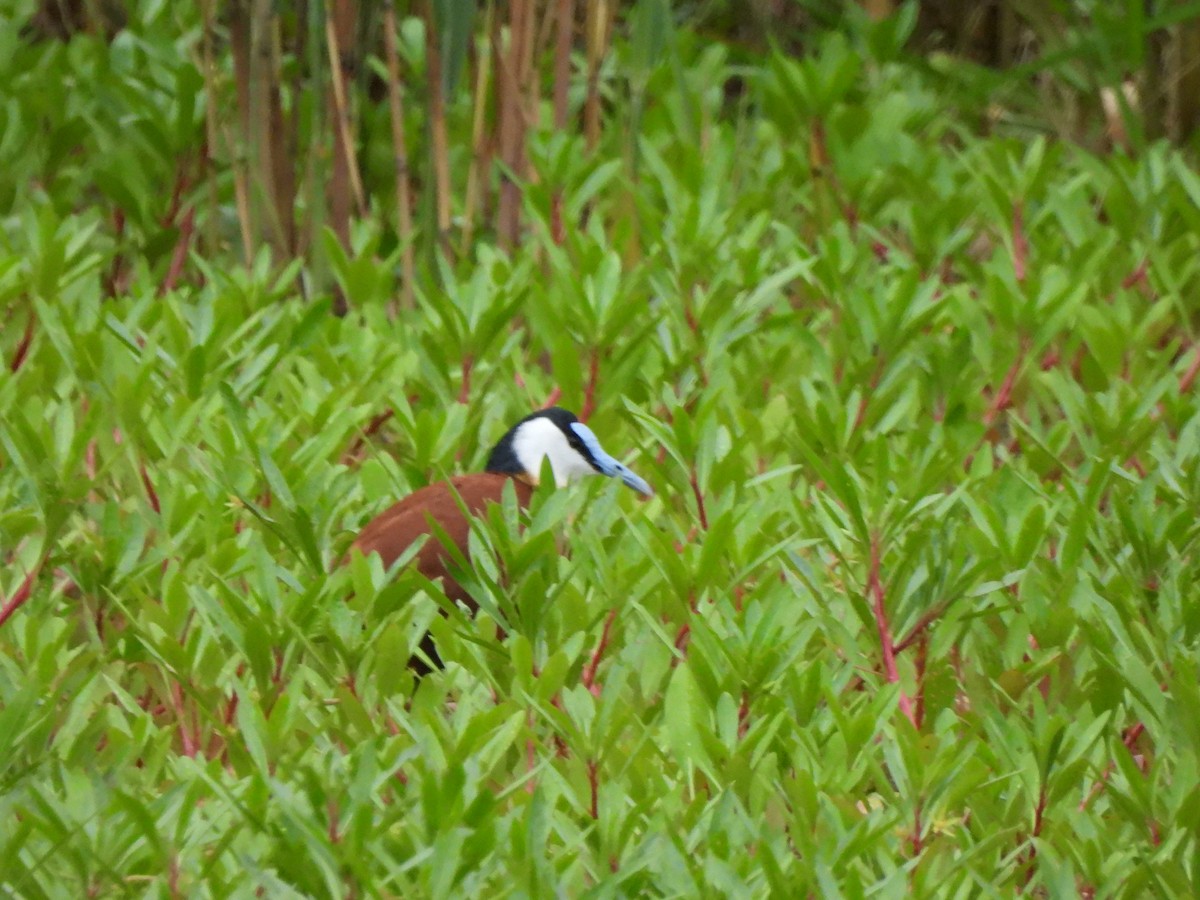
x,y
503,461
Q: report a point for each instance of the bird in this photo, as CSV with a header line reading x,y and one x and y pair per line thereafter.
x,y
553,434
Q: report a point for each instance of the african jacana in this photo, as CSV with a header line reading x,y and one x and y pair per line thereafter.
x,y
554,434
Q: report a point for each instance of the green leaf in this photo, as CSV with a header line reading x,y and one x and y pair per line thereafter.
x,y
686,716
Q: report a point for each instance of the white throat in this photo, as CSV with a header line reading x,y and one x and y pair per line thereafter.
x,y
539,439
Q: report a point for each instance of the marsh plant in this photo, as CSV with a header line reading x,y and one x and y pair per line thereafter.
x,y
912,612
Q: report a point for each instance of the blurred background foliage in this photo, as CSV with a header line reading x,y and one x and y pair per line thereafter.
x,y
894,303
449,121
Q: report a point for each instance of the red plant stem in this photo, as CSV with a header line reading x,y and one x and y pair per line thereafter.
x,y
819,160
1129,738
560,746
1189,377
332,808
553,397
370,431
21,594
531,761
558,231
691,536
593,784
699,501
917,632
681,641
113,278
744,716
182,183
922,648
150,492
186,228
1020,243
1132,733
690,318
1003,398
179,255
589,671
862,411
1038,812
589,389
1137,276
18,357
875,589
377,422
866,397
89,461
231,709
190,747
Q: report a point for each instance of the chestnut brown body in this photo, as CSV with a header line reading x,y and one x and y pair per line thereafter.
x,y
392,531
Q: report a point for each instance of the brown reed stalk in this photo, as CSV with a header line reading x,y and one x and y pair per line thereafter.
x,y
878,9
339,34
564,39
241,202
515,67
1185,81
239,40
481,139
310,47
438,134
281,169
345,186
599,21
211,127
266,135
545,35
403,190
496,42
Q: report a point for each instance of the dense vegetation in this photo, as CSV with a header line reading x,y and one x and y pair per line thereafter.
x,y
911,613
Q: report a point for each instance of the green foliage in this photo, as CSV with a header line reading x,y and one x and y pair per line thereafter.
x,y
901,390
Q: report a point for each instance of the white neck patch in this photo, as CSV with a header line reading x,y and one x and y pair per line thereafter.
x,y
540,438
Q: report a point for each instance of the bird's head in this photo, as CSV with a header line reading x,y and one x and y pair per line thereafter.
x,y
572,448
